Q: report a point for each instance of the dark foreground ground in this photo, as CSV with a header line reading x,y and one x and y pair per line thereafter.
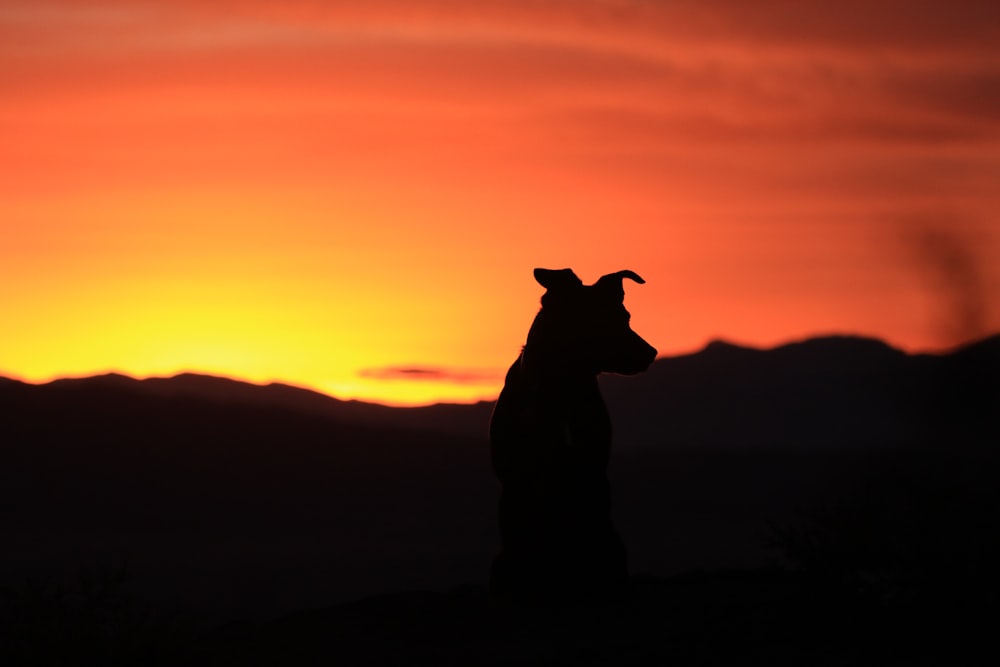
x,y
736,617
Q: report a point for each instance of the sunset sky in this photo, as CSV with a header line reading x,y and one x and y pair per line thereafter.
x,y
351,196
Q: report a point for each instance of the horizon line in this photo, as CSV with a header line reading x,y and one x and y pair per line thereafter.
x,y
941,351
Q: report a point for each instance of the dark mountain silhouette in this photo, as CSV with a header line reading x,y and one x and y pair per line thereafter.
x,y
832,392
442,418
821,394
838,456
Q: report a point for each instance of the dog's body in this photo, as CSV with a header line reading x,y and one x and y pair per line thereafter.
x,y
551,441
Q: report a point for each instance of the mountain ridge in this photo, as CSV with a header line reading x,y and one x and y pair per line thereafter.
x,y
837,359
192,379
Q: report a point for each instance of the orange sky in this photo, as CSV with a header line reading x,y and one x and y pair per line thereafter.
x,y
326,193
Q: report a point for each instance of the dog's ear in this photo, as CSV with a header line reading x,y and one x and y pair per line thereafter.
x,y
556,279
612,282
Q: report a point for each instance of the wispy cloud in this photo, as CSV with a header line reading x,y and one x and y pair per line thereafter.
x,y
431,374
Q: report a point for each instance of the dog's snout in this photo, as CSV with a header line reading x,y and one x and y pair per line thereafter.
x,y
648,354
633,356
652,353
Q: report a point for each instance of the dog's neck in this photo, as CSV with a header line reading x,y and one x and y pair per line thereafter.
x,y
561,404
553,388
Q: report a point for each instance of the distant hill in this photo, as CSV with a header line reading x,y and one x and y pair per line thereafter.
x,y
235,499
443,418
824,393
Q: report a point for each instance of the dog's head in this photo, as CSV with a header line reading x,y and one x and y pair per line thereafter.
x,y
585,328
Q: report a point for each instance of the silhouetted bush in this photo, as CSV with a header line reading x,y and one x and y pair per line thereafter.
x,y
905,540
92,621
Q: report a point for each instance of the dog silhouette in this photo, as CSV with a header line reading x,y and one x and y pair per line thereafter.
x,y
550,438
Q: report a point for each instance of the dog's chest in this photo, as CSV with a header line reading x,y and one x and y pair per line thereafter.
x,y
582,432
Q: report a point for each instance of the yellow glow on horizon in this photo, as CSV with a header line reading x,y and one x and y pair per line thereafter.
x,y
154,284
